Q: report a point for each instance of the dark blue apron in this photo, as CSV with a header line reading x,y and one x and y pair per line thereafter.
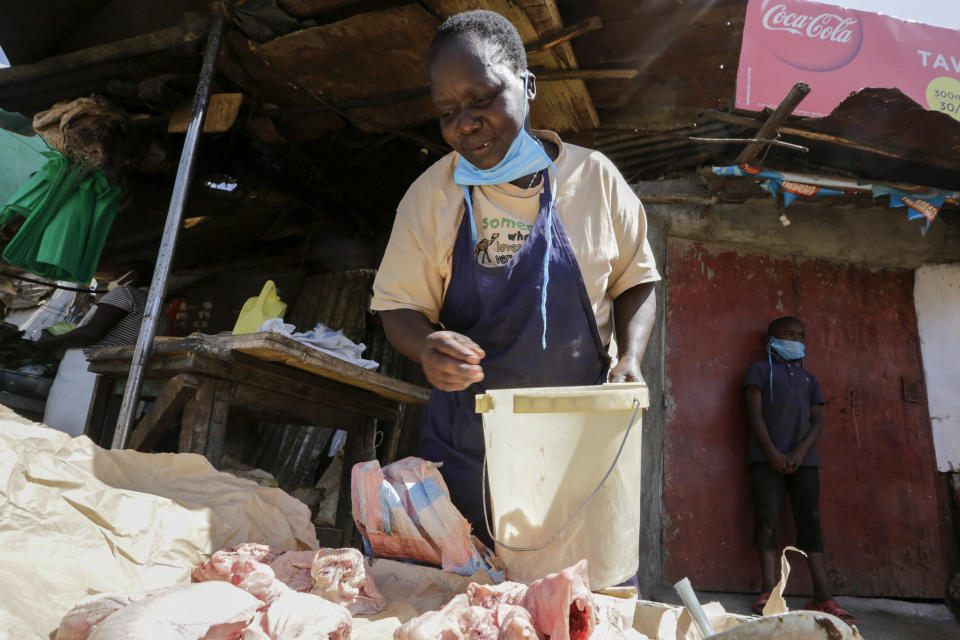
x,y
499,308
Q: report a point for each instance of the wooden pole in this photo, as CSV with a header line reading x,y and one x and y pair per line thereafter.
x,y
750,123
568,33
769,128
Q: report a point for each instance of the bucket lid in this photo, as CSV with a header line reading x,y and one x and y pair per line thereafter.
x,y
620,396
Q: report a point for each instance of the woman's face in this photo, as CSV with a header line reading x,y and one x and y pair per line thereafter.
x,y
479,100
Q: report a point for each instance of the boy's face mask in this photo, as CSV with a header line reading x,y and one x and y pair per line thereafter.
x,y
787,349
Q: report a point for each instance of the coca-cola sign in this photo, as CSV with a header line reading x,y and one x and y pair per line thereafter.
x,y
813,37
837,52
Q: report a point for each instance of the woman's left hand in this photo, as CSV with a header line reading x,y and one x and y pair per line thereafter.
x,y
626,370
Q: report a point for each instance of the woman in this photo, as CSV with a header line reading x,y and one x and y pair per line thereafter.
x,y
511,258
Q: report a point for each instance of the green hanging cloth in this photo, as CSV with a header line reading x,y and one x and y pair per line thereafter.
x,y
68,213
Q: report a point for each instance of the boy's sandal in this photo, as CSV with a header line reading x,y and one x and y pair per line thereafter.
x,y
760,603
831,607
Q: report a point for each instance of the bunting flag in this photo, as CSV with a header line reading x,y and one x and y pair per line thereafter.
x,y
922,203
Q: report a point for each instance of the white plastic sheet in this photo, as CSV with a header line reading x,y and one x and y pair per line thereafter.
x,y
76,520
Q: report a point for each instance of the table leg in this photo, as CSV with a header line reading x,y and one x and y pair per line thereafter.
x,y
361,449
392,437
175,394
196,418
217,433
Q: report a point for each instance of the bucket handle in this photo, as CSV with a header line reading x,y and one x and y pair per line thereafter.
x,y
483,491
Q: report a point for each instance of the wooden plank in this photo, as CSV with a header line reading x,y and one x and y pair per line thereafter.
x,y
219,415
278,378
322,61
186,351
173,397
293,409
274,347
222,113
196,419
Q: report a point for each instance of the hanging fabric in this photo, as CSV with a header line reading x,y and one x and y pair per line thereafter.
x,y
68,210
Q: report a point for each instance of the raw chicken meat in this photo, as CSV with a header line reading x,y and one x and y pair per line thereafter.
x,y
459,620
515,623
561,604
301,616
489,595
221,563
558,607
243,566
204,611
293,569
79,621
339,575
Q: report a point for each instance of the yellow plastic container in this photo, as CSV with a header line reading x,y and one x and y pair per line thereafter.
x,y
548,452
257,310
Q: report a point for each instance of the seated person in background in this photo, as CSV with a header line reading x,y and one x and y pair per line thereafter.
x,y
115,320
784,409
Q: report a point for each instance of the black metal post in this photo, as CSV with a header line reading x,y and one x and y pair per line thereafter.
x,y
158,285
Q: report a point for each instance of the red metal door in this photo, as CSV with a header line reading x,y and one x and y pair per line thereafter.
x,y
881,521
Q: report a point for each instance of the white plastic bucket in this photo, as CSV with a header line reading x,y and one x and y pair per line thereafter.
x,y
548,451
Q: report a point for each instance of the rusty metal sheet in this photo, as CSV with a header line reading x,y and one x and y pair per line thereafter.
x,y
882,524
718,305
367,56
882,528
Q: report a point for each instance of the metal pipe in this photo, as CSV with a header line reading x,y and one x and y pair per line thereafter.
x,y
168,243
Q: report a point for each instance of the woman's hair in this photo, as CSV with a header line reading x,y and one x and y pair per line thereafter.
x,y
488,26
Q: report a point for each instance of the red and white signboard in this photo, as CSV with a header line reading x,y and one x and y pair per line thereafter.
x,y
840,51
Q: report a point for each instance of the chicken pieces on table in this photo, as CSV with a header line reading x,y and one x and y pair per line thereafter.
x,y
559,607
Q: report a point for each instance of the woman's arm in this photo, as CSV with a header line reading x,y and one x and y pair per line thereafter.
x,y
451,361
104,318
634,311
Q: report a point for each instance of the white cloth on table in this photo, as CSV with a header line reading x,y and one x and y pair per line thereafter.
x,y
323,338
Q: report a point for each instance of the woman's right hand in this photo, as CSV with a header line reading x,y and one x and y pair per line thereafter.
x,y
451,361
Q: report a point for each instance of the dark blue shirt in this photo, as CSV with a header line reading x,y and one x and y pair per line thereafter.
x,y
787,416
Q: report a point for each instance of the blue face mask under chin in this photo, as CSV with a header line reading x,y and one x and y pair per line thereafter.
x,y
525,156
787,349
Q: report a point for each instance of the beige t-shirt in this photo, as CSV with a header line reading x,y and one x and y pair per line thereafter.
x,y
602,216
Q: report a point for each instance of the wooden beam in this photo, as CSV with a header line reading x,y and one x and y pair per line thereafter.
x,y
880,150
193,29
586,74
175,394
567,33
769,128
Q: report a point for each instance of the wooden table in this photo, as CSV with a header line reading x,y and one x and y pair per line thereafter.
x,y
267,376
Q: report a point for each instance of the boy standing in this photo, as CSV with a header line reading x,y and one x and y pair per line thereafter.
x,y
784,410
